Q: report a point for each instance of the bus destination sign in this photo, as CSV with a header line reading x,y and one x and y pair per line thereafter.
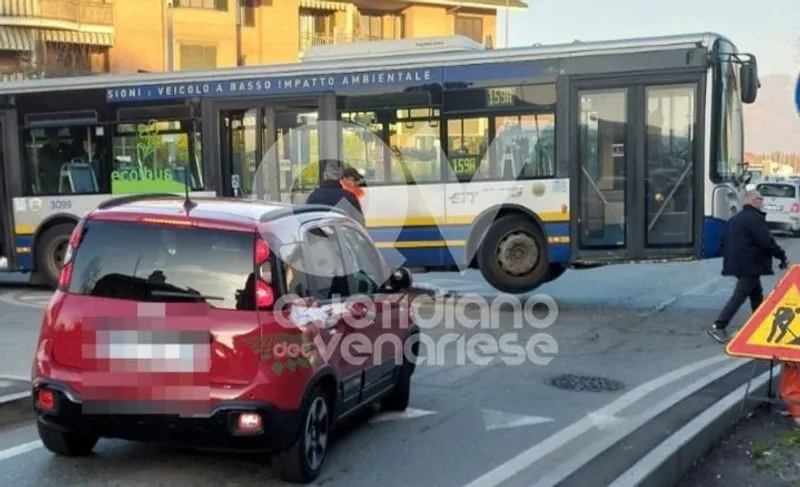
x,y
319,83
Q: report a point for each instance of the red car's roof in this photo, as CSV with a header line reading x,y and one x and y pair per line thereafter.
x,y
235,212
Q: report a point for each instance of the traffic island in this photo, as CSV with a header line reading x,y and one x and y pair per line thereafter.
x,y
764,450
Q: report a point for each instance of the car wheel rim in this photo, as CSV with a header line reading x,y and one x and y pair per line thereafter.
x,y
59,251
316,433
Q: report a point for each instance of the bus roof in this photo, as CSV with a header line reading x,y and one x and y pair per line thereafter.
x,y
395,47
462,56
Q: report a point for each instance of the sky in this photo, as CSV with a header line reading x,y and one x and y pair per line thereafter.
x,y
770,29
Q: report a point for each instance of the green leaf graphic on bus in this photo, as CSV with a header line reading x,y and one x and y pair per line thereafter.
x,y
152,167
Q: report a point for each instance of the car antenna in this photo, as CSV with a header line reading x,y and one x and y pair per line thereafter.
x,y
188,204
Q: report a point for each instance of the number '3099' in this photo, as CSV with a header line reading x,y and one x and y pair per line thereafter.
x,y
60,204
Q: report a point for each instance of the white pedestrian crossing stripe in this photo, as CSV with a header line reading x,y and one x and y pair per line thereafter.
x,y
27,298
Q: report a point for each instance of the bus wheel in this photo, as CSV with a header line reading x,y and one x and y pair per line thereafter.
x,y
50,250
513,255
555,271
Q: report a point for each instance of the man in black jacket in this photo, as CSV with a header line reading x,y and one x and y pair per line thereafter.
x,y
747,253
331,192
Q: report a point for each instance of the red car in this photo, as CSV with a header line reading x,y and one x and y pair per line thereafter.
x,y
219,324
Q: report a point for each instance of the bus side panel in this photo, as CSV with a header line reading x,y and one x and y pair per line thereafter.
x,y
712,237
33,213
406,223
548,199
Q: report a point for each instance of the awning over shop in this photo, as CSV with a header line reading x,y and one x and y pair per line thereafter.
x,y
16,39
76,37
323,5
493,4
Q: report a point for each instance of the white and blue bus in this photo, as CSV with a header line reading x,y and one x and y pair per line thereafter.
x,y
521,162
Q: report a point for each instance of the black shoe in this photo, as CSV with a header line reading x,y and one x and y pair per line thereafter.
x,y
718,334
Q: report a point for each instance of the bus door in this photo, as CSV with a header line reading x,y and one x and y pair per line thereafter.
x,y
8,150
636,167
240,147
268,150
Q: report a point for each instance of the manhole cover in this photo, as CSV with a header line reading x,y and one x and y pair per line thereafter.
x,y
585,383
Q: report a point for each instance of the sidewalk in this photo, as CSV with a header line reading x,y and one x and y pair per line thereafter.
x,y
15,401
762,450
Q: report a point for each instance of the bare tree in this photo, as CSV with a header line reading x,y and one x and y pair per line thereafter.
x,y
61,59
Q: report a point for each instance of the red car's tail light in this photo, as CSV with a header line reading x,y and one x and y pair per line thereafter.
x,y
265,297
66,270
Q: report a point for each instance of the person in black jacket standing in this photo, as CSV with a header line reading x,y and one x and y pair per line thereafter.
x,y
331,192
747,252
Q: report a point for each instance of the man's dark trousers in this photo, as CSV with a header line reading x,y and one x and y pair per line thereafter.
x,y
746,287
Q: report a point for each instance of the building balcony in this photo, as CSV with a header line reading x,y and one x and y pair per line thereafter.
x,y
58,14
92,12
308,40
25,24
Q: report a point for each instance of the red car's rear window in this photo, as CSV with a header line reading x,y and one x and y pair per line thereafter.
x,y
154,263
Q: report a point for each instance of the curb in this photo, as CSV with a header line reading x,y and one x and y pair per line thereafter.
x,y
15,407
668,463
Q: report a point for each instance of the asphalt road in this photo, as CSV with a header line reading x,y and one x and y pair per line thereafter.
x,y
640,326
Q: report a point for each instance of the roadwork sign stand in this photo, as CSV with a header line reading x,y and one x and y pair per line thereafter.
x,y
773,333
770,398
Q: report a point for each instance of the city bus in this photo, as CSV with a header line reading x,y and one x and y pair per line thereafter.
x,y
520,162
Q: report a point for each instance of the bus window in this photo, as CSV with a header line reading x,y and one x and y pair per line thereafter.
x,y
363,147
416,154
467,144
524,147
63,160
729,139
155,157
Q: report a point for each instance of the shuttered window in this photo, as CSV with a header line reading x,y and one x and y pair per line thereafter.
x,y
471,27
198,56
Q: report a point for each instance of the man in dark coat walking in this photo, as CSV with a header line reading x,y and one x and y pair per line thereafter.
x,y
747,252
331,192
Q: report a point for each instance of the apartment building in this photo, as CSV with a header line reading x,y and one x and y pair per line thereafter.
x,y
69,37
55,37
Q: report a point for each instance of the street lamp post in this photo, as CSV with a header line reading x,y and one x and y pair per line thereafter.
x,y
238,7
170,38
508,10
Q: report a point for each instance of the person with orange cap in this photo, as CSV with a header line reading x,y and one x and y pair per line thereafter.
x,y
332,192
351,181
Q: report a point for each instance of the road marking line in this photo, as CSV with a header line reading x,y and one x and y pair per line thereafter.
x,y
634,475
693,290
630,425
15,377
14,397
665,304
409,413
524,460
17,302
18,450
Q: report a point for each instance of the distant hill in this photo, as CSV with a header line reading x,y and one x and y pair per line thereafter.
x,y
772,123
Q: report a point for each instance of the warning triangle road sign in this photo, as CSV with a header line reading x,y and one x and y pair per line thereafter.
x,y
773,331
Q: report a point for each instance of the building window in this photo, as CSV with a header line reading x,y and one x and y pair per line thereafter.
x,y
395,26
316,27
375,27
198,56
371,27
471,27
207,4
66,59
248,13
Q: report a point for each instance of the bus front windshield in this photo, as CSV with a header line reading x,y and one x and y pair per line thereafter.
x,y
730,131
